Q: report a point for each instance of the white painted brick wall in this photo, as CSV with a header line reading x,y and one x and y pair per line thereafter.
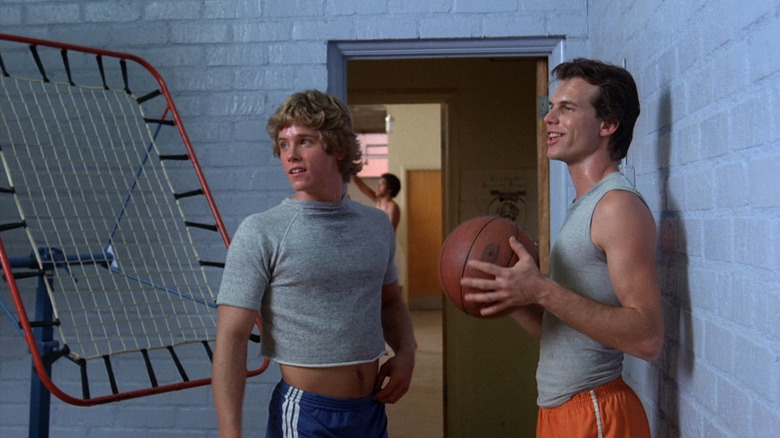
x,y
706,153
708,74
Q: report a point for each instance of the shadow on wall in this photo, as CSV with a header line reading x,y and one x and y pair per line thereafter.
x,y
677,363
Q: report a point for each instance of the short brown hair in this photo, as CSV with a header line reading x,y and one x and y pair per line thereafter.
x,y
393,183
618,99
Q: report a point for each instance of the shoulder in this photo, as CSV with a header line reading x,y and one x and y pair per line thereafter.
x,y
621,202
621,216
257,220
264,222
616,197
372,216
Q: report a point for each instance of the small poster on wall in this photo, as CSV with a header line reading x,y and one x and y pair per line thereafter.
x,y
508,193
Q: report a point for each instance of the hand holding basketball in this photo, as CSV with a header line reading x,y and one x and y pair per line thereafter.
x,y
484,238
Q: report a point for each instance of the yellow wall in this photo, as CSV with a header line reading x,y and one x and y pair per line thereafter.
x,y
414,143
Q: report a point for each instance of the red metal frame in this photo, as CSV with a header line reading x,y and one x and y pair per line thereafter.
x,y
5,263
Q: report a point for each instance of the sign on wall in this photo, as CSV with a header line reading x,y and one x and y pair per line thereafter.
x,y
508,193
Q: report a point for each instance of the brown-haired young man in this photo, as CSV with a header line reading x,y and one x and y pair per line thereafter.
x,y
602,298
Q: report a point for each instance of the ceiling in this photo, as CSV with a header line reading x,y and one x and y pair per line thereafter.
x,y
368,118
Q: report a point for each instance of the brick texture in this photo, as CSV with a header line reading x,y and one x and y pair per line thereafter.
x,y
707,147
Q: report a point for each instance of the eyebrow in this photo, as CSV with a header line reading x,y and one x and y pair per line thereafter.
x,y
564,102
305,136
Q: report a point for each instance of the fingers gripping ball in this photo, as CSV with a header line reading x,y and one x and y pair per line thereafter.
x,y
484,238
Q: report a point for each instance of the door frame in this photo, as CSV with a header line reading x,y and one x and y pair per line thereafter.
x,y
551,47
339,52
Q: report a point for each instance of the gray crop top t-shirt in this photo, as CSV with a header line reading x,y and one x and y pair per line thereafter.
x,y
314,271
569,361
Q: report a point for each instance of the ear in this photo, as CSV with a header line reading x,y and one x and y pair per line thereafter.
x,y
340,156
608,127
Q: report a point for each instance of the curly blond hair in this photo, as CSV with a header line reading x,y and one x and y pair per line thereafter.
x,y
329,116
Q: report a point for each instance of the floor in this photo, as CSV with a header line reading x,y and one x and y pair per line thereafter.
x,y
419,414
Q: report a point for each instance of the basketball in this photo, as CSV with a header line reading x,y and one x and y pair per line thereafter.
x,y
484,238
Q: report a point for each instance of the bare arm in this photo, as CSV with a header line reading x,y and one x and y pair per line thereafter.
x,y
530,319
399,335
364,188
624,229
229,367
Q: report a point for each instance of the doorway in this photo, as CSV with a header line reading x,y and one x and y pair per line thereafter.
x,y
488,365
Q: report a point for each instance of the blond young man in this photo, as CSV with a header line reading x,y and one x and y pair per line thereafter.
x,y
319,270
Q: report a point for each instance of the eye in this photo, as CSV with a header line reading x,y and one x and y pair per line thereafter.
x,y
309,142
283,145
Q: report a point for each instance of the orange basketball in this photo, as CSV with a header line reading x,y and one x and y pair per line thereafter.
x,y
484,238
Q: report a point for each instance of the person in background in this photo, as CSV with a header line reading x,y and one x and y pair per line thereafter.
x,y
388,187
319,270
602,299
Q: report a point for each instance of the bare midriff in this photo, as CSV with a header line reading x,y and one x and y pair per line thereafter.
x,y
348,381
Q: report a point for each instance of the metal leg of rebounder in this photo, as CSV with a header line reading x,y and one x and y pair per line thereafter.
x,y
40,397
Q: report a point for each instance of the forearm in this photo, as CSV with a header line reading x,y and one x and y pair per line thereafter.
x,y
633,330
229,367
397,327
530,319
395,374
228,383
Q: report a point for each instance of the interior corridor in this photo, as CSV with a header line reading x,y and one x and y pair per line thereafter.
x,y
419,414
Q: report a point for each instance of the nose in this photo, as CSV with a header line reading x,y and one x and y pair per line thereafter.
x,y
549,117
292,153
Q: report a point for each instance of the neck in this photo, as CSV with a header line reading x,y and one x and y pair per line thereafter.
x,y
332,193
586,175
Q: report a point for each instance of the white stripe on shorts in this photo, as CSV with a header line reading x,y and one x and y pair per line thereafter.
x,y
290,412
597,411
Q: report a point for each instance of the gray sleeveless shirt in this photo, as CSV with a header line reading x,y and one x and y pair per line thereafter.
x,y
569,361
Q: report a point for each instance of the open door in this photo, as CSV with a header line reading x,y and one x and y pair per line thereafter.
x,y
493,128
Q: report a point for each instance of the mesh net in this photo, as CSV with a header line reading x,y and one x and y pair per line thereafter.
x,y
101,217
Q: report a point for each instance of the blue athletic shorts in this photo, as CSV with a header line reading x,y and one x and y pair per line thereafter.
x,y
293,413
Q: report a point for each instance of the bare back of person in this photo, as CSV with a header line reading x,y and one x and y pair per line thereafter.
x,y
391,209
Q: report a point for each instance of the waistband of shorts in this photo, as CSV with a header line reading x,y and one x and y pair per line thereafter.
x,y
314,400
614,385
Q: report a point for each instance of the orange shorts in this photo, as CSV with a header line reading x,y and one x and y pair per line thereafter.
x,y
611,410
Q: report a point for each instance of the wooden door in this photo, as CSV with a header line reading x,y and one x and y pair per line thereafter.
x,y
424,213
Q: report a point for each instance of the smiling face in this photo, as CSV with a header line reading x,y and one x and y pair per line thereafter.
x,y
574,132
313,174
